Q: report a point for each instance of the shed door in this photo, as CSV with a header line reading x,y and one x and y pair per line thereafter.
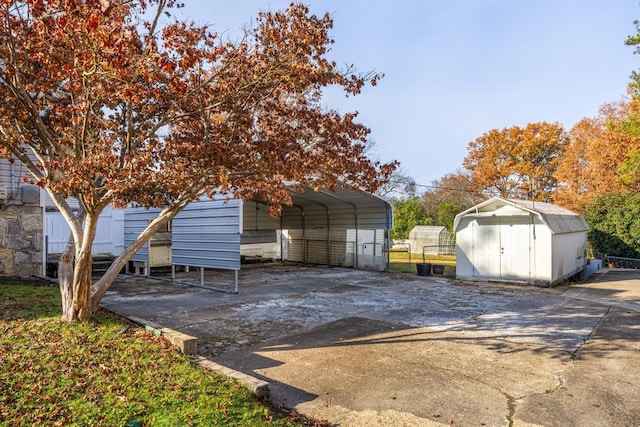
x,y
514,248
486,253
501,248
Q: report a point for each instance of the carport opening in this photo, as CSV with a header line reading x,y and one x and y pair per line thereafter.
x,y
213,239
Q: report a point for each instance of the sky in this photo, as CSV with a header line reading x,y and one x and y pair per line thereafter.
x,y
455,69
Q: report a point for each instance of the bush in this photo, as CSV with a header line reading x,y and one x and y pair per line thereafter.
x,y
614,219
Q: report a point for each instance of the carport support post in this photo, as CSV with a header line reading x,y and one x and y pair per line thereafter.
x,y
356,243
202,275
235,281
328,237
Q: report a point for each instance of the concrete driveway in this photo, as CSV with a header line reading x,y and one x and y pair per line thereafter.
x,y
361,348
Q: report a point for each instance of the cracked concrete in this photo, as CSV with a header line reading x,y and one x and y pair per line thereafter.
x,y
375,349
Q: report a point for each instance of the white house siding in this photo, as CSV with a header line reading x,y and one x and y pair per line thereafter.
x,y
109,235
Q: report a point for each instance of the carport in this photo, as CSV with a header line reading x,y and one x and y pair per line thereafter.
x,y
344,227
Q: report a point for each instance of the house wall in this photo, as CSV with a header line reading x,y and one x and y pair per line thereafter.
x,y
109,235
21,236
21,240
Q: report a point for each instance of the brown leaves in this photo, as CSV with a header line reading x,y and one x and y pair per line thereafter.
x,y
116,115
598,148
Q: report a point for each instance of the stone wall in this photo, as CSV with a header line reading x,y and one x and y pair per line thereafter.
x,y
21,240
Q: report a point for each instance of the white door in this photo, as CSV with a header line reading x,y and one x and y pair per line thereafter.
x,y
486,253
514,248
501,248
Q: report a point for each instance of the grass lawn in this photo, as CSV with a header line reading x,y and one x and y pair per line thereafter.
x,y
107,372
400,261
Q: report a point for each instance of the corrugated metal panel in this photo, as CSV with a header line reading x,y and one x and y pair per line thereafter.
x,y
255,216
207,234
292,218
293,239
135,221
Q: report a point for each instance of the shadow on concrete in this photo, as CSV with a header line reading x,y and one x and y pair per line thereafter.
x,y
383,342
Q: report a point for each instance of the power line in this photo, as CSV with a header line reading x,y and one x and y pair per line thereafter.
x,y
434,187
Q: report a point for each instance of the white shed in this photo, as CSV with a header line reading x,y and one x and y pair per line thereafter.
x,y
517,240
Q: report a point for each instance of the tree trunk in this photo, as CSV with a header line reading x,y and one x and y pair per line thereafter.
x,y
101,286
65,281
74,275
80,298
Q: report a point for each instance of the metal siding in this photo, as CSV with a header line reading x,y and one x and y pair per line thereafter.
x,y
568,255
541,253
135,221
369,218
465,248
295,245
255,216
291,218
207,234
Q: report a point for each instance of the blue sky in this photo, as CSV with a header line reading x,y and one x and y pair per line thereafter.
x,y
454,69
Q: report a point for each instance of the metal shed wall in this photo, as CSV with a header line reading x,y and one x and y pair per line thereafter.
x,y
500,240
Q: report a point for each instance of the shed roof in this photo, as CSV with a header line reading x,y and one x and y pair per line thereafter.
x,y
558,219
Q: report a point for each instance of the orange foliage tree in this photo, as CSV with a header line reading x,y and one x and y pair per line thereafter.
x,y
598,148
456,190
517,162
114,102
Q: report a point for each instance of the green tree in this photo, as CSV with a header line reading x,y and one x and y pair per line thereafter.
x,y
630,170
447,212
615,225
407,214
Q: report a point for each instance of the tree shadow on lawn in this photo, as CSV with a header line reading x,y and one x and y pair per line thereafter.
x,y
28,300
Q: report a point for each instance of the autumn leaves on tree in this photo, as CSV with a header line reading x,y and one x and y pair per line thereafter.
x,y
517,162
104,105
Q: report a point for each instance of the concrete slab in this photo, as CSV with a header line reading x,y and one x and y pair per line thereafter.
x,y
366,348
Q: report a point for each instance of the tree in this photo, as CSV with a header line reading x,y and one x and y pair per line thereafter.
x,y
615,229
407,214
447,212
591,162
630,168
104,102
454,191
517,162
399,186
